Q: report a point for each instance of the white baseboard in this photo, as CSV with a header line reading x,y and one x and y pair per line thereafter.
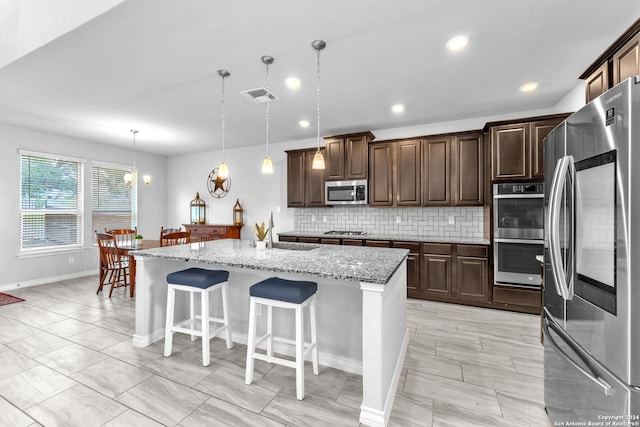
x,y
45,280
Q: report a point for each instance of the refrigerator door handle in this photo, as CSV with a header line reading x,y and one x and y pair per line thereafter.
x,y
606,387
555,200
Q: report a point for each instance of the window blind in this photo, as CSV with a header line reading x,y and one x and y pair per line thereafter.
x,y
51,201
113,201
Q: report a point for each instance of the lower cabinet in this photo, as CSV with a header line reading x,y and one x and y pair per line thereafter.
x,y
455,273
211,231
413,266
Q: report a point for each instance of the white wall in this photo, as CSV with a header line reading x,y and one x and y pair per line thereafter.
x,y
572,101
46,268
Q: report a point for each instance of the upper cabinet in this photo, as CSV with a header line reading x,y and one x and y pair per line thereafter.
x,y
619,62
305,185
517,147
443,170
346,156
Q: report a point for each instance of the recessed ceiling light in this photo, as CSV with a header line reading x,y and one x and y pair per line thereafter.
x,y
398,108
458,43
293,83
304,123
528,87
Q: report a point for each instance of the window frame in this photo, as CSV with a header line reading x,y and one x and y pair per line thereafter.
x,y
78,211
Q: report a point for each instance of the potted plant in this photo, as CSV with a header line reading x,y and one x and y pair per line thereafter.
x,y
261,232
138,239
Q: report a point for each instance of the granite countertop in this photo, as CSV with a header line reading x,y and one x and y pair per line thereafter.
x,y
359,264
395,237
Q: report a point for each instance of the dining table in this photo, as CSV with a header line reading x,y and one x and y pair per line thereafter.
x,y
128,250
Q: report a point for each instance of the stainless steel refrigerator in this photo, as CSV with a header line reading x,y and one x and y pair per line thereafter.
x,y
592,261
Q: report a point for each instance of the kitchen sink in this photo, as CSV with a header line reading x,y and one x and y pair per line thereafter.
x,y
294,246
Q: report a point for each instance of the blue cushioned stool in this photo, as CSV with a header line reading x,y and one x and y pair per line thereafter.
x,y
283,293
197,281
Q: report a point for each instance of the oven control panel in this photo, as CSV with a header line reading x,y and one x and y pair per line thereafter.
x,y
519,188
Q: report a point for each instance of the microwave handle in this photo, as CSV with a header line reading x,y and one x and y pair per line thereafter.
x,y
555,200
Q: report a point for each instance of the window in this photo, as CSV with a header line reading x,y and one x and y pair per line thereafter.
x,y
113,201
51,210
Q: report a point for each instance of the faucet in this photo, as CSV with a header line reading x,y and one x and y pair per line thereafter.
x,y
271,231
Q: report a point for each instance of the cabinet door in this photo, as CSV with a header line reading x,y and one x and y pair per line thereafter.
x,y
413,266
334,159
472,278
626,61
539,131
436,171
295,179
468,170
356,153
381,161
509,152
436,278
597,83
314,182
378,243
408,173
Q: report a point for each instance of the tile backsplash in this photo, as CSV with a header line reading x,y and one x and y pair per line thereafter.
x,y
432,222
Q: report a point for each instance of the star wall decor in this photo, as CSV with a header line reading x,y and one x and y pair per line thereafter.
x,y
218,187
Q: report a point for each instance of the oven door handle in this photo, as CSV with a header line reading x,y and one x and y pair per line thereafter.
x,y
519,196
555,251
527,241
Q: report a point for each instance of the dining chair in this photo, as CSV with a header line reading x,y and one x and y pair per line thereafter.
x,y
177,238
164,231
125,237
113,264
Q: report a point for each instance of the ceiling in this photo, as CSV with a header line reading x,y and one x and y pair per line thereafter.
x,y
151,65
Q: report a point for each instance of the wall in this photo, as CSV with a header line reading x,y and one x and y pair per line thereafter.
x,y
25,271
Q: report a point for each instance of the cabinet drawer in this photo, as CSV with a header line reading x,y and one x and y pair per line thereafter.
x,y
308,240
352,242
438,248
378,243
330,241
413,247
474,251
517,296
287,239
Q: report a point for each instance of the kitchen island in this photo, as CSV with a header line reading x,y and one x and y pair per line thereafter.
x,y
361,304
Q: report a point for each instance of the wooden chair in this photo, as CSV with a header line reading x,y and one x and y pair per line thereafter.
x,y
164,231
113,264
124,236
177,238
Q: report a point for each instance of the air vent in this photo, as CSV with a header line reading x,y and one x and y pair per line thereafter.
x,y
259,95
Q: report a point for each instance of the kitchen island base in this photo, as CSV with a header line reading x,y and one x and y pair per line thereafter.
x,y
361,326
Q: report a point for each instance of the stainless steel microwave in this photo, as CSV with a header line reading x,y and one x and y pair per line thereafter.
x,y
345,192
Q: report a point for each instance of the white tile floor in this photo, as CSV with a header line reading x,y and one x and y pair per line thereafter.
x,y
66,359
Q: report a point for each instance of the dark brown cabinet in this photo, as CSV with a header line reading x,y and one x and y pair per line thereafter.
x,y
436,276
407,173
413,266
472,272
468,169
620,61
436,163
381,164
305,185
517,148
346,156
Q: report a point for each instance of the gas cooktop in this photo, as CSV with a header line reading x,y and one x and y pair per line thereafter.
x,y
346,233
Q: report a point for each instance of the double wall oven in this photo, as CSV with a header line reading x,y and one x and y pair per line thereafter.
x,y
518,234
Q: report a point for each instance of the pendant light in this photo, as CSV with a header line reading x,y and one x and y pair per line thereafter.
x,y
223,170
267,165
318,158
131,178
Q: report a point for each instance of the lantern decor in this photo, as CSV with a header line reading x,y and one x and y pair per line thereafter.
x,y
238,213
197,210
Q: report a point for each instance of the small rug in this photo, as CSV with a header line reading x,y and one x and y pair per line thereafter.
x,y
8,299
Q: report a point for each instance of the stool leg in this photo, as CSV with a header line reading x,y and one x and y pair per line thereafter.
x,y
225,313
251,342
168,333
314,338
269,332
206,352
299,353
192,313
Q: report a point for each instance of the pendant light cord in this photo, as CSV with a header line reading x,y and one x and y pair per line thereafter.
x,y
223,117
267,109
318,95
134,147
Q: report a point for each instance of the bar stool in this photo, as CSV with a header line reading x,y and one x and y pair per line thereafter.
x,y
197,281
283,293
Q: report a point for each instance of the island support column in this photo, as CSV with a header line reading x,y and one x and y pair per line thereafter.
x,y
385,338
